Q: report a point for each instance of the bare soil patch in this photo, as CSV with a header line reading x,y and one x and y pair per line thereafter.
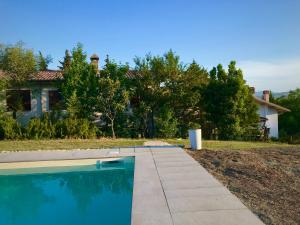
x,y
266,180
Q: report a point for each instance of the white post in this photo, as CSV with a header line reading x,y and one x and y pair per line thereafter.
x,y
195,137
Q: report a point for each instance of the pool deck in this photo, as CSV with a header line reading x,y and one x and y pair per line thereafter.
x,y
170,187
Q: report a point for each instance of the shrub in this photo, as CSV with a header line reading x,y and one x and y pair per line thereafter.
x,y
40,128
10,128
166,124
74,128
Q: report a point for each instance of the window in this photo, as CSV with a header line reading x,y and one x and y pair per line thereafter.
x,y
54,99
18,100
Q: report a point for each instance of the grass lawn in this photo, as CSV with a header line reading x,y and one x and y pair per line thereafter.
x,y
66,144
60,144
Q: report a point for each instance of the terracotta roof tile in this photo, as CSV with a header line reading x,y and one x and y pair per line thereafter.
x,y
132,74
48,75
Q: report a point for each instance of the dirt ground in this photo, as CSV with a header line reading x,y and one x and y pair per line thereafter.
x,y
266,180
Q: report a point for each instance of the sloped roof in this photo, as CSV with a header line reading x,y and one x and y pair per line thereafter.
x,y
52,75
47,75
132,74
279,108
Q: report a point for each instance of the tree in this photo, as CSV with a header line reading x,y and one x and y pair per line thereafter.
x,y
187,98
290,122
164,82
112,97
3,85
43,62
152,88
18,64
229,103
271,97
166,123
79,87
66,62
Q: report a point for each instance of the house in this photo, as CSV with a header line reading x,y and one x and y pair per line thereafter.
x,y
42,95
268,113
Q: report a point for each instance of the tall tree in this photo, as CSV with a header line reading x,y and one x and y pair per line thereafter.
x,y
43,62
66,61
79,87
112,97
153,86
229,104
290,122
3,86
187,98
164,86
18,63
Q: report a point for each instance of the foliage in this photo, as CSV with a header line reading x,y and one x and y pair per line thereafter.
x,y
289,128
112,98
162,97
66,62
124,126
165,81
152,88
79,87
188,98
271,97
18,63
40,128
229,104
3,85
166,124
74,128
10,128
43,62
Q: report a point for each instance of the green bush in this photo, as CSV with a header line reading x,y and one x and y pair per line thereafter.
x,y
40,128
74,128
166,124
291,139
10,128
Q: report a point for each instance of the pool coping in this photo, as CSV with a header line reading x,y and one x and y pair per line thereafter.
x,y
170,187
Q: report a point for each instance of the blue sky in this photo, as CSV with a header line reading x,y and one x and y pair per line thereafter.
x,y
262,36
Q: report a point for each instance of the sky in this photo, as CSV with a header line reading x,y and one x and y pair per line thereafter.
x,y
262,36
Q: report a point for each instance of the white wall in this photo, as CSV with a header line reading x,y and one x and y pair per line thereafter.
x,y
272,116
39,104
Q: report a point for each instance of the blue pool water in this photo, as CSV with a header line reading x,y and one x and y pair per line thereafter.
x,y
86,195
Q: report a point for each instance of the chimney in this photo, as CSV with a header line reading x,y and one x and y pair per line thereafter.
x,y
95,61
266,95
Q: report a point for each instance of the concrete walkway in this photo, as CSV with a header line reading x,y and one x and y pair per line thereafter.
x,y
156,143
170,187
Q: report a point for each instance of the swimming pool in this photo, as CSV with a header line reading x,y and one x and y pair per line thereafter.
x,y
90,194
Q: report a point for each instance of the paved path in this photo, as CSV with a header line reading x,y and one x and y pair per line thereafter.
x,y
156,143
170,187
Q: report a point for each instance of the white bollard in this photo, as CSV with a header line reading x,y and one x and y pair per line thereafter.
x,y
195,137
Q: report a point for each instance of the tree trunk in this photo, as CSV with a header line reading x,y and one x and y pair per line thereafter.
x,y
152,125
112,129
14,114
